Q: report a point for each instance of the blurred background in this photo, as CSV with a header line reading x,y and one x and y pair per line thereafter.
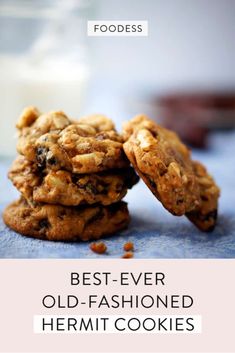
x,y
182,74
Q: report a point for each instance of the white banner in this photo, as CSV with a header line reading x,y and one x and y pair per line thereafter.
x,y
117,28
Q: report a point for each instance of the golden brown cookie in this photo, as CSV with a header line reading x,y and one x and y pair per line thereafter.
x,y
205,217
32,124
163,162
165,165
56,142
64,188
60,223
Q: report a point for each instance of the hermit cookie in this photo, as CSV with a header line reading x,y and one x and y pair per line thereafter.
x,y
164,163
53,222
32,124
56,142
205,216
64,188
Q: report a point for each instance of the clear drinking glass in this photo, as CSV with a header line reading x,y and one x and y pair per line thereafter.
x,y
43,60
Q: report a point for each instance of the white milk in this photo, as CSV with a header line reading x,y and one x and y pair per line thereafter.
x,y
49,85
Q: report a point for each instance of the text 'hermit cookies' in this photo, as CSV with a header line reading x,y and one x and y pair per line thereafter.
x,y
103,309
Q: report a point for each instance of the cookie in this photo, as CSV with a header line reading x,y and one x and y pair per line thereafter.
x,y
54,141
182,185
164,163
205,217
60,223
32,124
64,188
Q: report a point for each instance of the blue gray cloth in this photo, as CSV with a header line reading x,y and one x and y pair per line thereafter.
x,y
155,232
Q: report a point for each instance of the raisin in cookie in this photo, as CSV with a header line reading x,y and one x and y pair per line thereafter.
x,y
61,223
164,163
56,142
205,216
64,188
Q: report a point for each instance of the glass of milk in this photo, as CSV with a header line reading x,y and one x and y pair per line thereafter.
x,y
43,61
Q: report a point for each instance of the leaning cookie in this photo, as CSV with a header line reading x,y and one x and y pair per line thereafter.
x,y
60,223
56,142
64,188
206,215
165,165
163,162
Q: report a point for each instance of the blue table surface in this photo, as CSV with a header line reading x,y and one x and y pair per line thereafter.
x,y
154,231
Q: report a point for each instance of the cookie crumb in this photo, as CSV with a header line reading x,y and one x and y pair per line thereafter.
x,y
98,248
128,246
128,255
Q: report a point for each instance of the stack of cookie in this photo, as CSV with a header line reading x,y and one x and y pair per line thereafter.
x,y
72,176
